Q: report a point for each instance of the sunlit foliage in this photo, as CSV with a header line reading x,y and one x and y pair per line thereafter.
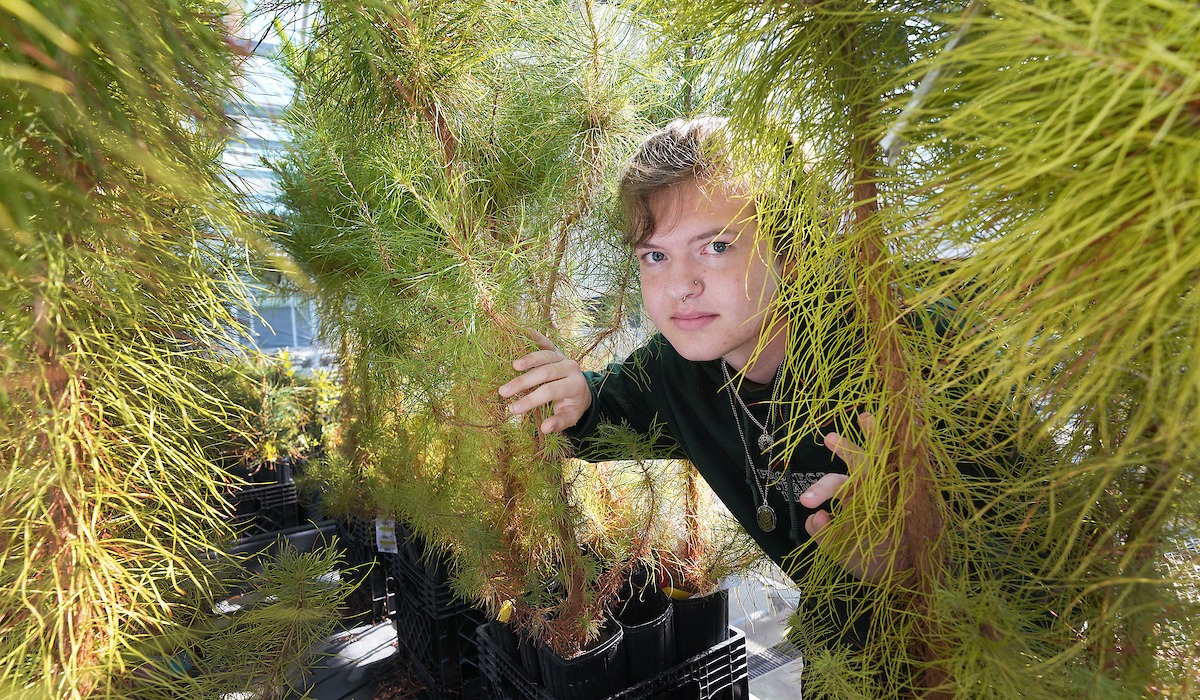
x,y
116,298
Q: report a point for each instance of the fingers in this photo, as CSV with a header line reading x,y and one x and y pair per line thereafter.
x,y
843,448
849,451
872,560
546,353
826,488
563,417
548,378
543,392
833,486
866,421
817,522
537,368
537,358
542,341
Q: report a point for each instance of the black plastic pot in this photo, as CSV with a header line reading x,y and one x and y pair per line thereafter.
x,y
527,650
646,616
504,637
700,623
519,649
720,673
595,673
435,563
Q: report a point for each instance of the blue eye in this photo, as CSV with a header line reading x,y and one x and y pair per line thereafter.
x,y
655,256
719,246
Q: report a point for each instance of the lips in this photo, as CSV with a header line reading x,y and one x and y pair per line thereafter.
x,y
692,320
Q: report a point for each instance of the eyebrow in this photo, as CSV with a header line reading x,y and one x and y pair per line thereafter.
x,y
705,236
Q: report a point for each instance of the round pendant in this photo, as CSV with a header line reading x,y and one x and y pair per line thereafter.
x,y
764,442
766,518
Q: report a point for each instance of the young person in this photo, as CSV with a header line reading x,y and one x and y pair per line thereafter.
x,y
711,376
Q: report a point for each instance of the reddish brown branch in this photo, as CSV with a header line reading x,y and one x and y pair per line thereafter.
x,y
580,206
910,458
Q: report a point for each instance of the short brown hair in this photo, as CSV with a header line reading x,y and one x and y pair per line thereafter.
x,y
682,151
701,150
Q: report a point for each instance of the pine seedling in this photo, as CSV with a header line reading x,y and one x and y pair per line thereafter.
x,y
1004,267
444,193
118,237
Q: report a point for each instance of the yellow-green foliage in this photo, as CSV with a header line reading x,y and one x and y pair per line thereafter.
x,y
1046,152
288,414
114,290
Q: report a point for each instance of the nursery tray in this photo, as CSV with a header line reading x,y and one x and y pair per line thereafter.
x,y
718,673
442,650
265,508
435,630
369,601
425,585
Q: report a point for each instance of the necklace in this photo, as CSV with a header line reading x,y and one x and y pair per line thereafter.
x,y
765,514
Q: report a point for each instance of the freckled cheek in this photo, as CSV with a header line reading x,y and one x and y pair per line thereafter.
x,y
766,289
652,296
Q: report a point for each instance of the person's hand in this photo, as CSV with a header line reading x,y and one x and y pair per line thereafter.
x,y
838,488
549,377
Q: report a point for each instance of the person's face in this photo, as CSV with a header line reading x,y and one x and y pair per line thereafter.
x,y
707,278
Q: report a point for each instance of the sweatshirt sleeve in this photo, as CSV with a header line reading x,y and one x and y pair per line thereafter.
x,y
623,393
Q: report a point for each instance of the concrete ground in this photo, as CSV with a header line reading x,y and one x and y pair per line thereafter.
x,y
760,605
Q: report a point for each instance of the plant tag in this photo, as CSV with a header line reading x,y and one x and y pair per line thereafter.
x,y
385,536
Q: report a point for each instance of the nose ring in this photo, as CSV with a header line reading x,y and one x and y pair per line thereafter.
x,y
695,282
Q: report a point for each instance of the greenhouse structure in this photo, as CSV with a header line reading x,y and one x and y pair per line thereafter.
x,y
600,350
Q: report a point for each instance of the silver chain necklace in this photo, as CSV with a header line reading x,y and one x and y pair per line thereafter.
x,y
765,514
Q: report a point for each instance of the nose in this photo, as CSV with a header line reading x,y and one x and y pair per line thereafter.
x,y
684,284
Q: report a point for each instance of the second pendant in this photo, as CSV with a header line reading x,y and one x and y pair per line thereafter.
x,y
766,518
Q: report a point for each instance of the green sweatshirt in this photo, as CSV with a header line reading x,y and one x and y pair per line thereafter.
x,y
655,385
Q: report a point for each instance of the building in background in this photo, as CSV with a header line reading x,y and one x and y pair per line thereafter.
x,y
284,322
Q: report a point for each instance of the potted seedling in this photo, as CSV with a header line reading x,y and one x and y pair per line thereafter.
x,y
442,194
